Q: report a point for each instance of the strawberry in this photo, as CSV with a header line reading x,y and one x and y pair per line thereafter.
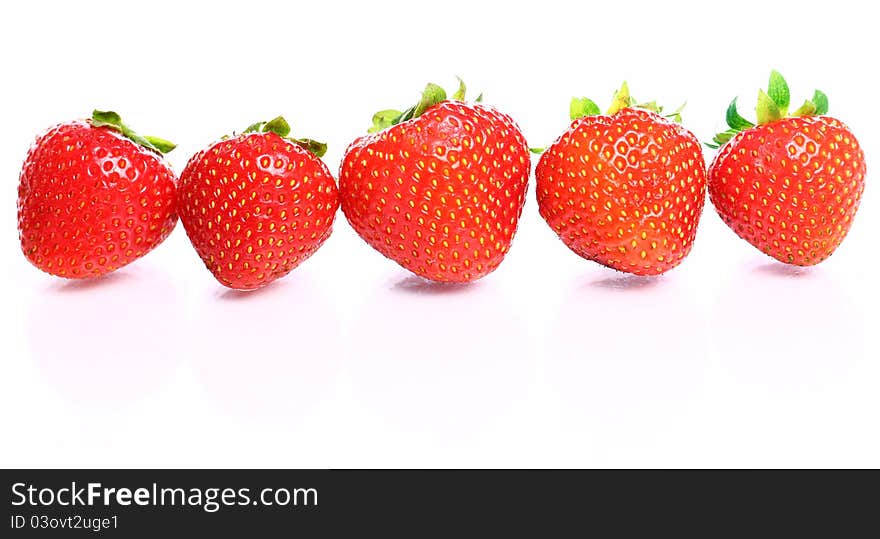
x,y
438,188
257,205
94,196
624,189
790,185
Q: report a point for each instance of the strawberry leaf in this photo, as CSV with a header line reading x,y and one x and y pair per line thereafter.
x,y
113,121
724,136
581,107
821,102
106,118
767,109
676,114
280,127
734,120
384,119
317,148
432,95
651,106
772,105
621,100
777,90
807,109
164,146
462,89
408,114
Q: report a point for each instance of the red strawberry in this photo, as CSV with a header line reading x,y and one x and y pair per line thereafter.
x,y
791,185
94,196
624,189
257,205
438,188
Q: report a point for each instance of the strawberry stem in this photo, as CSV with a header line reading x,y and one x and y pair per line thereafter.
x,y
112,120
280,127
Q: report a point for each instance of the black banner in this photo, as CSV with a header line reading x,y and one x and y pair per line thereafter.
x,y
456,503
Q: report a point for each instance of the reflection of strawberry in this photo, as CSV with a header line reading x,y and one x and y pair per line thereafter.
x,y
791,185
257,205
94,196
439,188
625,189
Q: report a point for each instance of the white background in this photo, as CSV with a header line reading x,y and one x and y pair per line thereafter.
x,y
729,360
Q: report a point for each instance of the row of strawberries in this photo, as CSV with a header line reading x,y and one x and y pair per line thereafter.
x,y
439,188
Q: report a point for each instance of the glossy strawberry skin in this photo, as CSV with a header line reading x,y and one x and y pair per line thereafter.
x,y
440,194
790,188
91,201
255,207
625,190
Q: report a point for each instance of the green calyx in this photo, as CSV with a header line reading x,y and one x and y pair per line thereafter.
x,y
772,105
112,120
280,127
431,95
582,106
